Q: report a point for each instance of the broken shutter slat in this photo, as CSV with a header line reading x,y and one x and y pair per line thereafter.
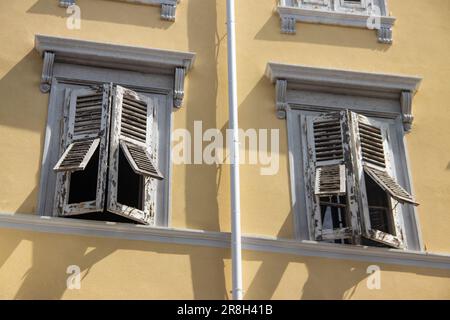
x,y
86,132
388,184
77,155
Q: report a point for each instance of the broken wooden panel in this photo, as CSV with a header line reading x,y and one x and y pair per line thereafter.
x,y
140,159
330,180
77,155
337,234
388,184
385,238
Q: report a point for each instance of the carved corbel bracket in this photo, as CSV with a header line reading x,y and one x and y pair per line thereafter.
x,y
288,25
281,104
385,34
178,91
66,3
168,11
47,72
406,104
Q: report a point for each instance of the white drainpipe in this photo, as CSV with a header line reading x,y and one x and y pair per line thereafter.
x,y
234,154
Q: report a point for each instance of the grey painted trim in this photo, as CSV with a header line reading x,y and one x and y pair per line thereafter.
x,y
112,55
31,222
290,13
346,82
342,78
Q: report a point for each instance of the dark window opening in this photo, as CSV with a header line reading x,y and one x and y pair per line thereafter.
x,y
130,184
83,184
379,207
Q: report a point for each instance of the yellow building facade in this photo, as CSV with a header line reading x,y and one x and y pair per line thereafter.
x,y
186,255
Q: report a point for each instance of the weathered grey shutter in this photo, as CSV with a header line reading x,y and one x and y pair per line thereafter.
x,y
134,132
86,125
372,147
326,171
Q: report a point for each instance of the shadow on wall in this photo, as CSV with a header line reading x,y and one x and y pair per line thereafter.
x,y
311,33
201,207
47,277
115,12
26,111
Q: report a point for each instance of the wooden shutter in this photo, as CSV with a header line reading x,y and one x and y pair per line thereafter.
x,y
134,132
326,170
372,145
86,125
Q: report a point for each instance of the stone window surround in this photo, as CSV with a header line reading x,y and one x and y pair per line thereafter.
x,y
70,61
168,7
334,12
310,89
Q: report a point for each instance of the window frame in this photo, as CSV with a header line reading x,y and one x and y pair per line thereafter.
x,y
70,63
312,90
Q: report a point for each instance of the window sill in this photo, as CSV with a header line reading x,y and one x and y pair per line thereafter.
x,y
46,224
290,15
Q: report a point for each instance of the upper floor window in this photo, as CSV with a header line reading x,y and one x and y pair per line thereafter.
x,y
370,14
109,161
107,145
349,171
350,181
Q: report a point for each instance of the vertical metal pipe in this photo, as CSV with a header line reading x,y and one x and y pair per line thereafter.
x,y
234,155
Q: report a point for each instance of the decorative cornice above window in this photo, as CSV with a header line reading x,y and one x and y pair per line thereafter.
x,y
145,60
297,77
370,14
168,7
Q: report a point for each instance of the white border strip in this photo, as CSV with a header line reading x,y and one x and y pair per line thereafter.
x,y
31,222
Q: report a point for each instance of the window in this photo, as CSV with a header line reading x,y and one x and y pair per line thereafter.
x,y
109,163
370,14
107,144
349,177
348,169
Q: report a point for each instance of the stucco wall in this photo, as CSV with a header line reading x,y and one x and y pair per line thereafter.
x,y
33,265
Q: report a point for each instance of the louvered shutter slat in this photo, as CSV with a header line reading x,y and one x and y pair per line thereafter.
x,y
140,160
77,155
132,134
388,184
330,180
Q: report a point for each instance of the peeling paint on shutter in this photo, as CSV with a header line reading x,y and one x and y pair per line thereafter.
x,y
134,132
86,131
140,160
328,138
388,184
77,155
372,144
326,175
